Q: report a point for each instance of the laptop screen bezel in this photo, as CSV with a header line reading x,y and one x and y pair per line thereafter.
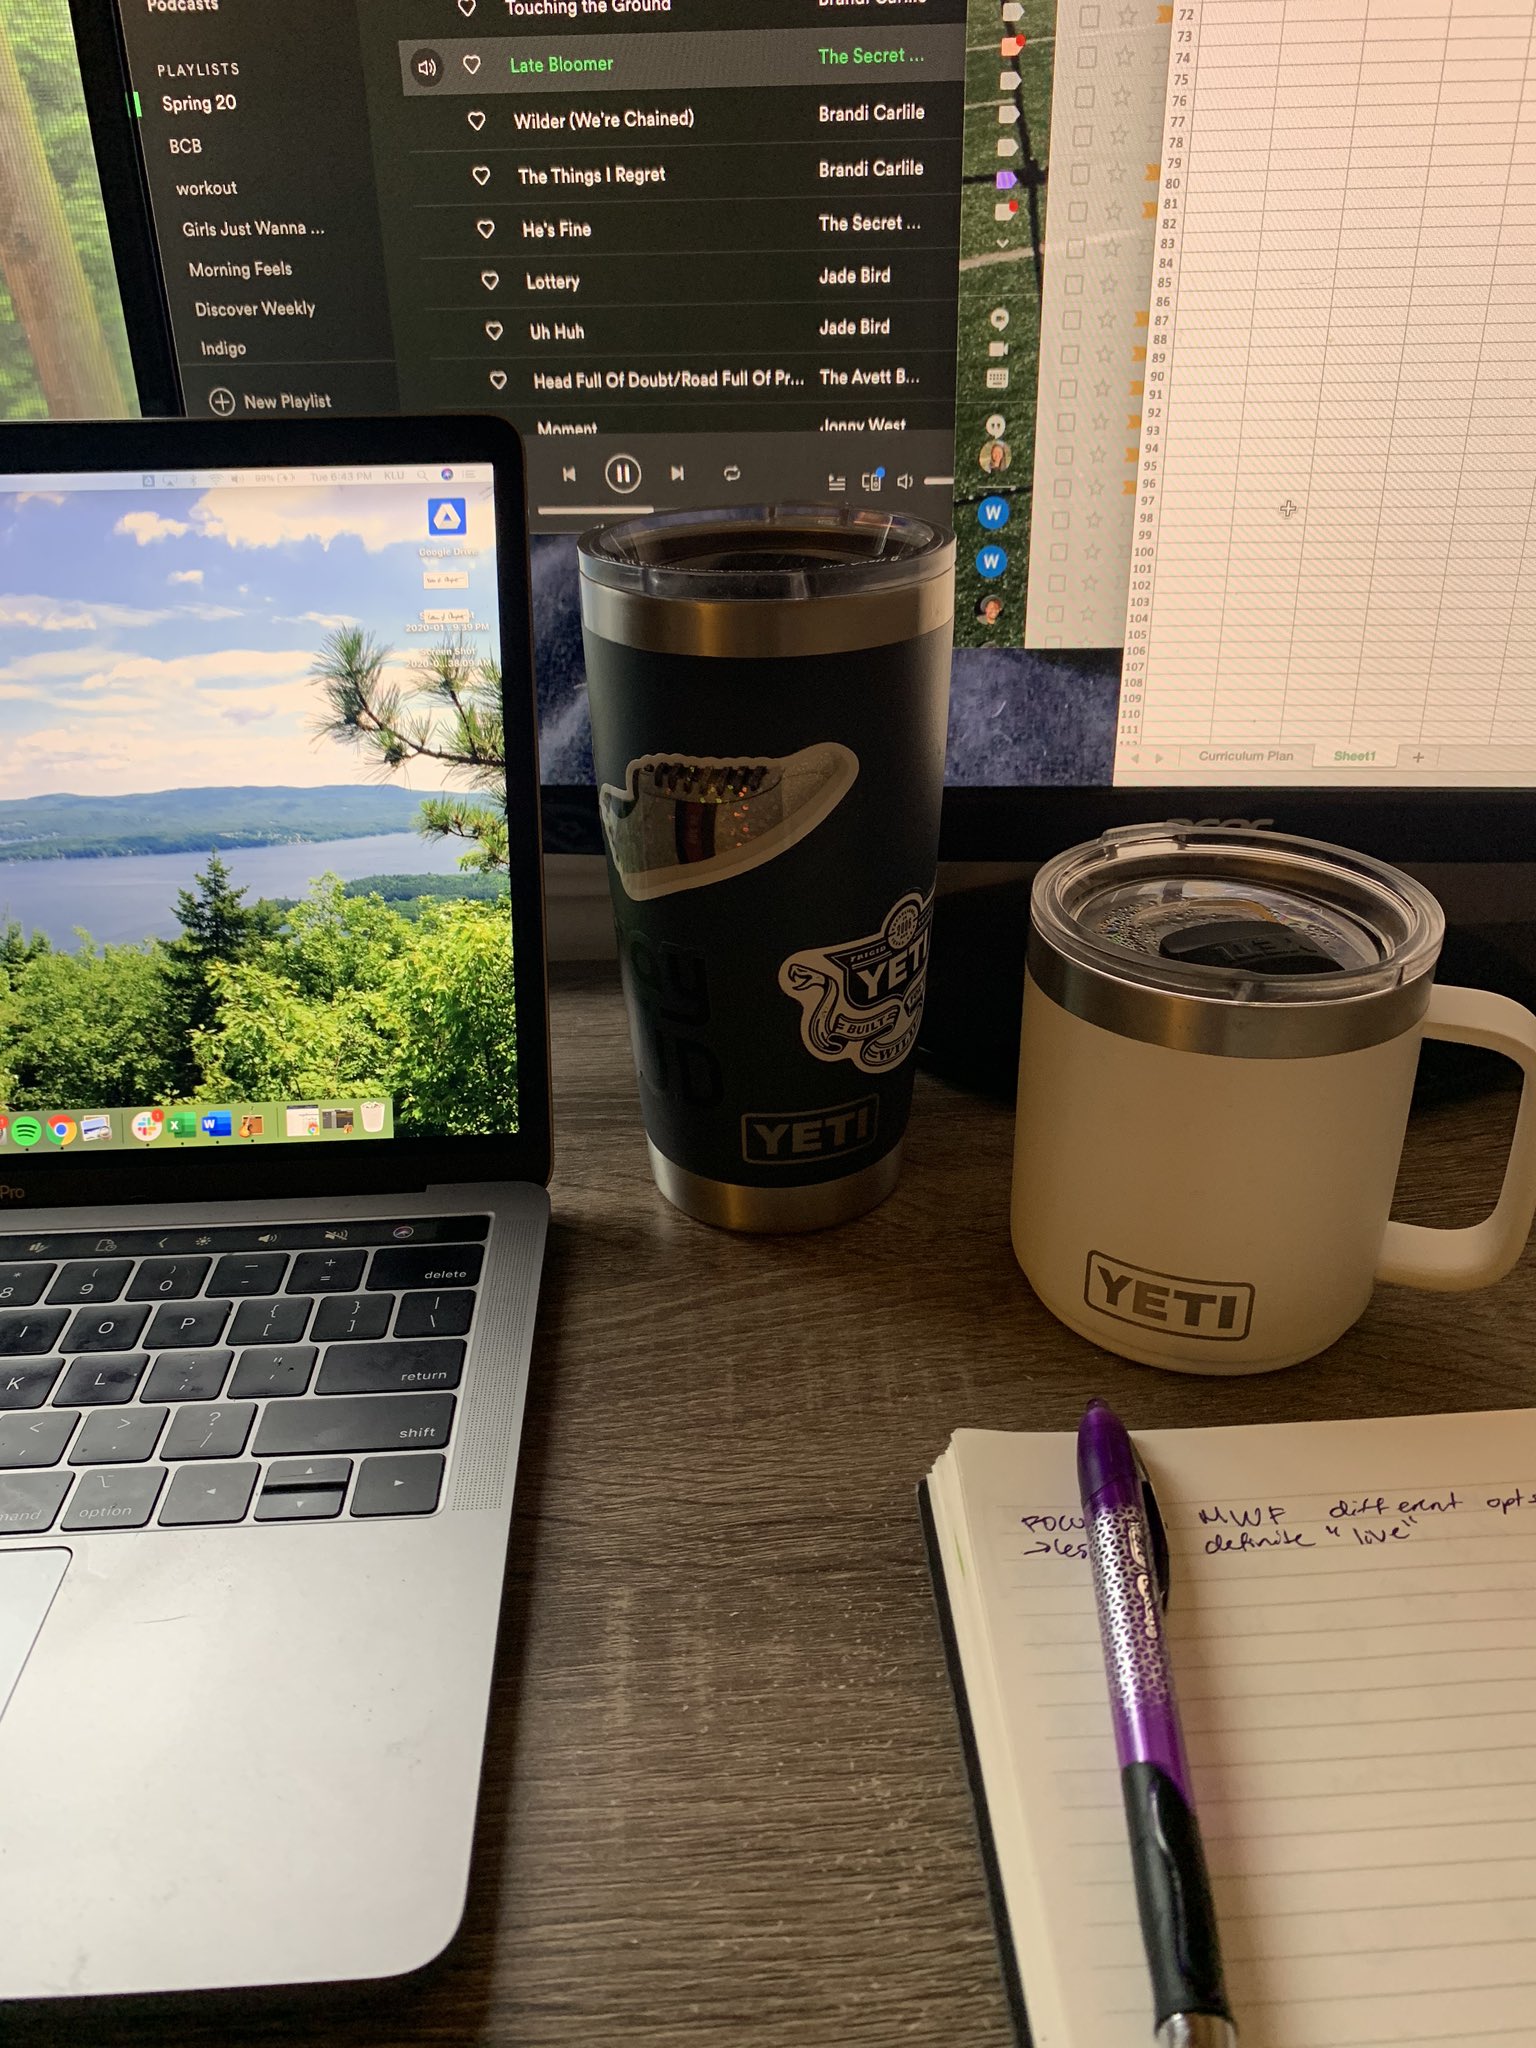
x,y
37,1180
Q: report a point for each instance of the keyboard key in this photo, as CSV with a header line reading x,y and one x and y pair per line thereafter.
x,y
123,1439
111,1376
25,1331
188,1375
201,1494
299,1503
169,1279
254,1273
216,1432
20,1286
380,1422
202,1323
35,1439
352,1315
271,1322
326,1272
454,1265
115,1500
281,1370
107,1329
30,1500
398,1486
28,1385
391,1368
435,1315
91,1280
301,1473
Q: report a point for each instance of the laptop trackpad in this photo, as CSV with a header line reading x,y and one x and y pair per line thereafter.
x,y
28,1581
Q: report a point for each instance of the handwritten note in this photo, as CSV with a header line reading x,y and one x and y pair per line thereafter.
x,y
1353,1628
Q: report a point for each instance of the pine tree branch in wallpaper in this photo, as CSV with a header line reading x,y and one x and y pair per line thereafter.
x,y
452,717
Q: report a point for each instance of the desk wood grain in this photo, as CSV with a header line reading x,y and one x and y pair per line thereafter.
x,y
724,1803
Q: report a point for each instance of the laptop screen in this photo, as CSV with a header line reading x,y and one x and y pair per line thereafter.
x,y
253,827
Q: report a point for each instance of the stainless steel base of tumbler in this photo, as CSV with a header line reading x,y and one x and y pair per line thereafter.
x,y
732,1207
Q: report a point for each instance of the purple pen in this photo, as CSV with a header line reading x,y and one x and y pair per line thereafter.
x,y
1173,1893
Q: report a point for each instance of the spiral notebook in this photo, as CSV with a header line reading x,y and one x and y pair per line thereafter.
x,y
1352,1621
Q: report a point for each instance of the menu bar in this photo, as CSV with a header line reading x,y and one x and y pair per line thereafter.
x,y
236,479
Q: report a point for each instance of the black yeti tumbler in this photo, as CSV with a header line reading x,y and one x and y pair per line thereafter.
x,y
769,692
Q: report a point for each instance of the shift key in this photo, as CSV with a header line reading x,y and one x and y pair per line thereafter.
x,y
367,1422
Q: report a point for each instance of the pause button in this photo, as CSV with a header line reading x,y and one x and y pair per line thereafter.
x,y
623,474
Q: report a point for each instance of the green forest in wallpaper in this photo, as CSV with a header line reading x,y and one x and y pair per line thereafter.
x,y
62,344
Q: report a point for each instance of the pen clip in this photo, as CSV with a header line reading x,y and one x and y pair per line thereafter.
x,y
1156,1529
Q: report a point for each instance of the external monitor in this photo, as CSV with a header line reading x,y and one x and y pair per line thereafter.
x,y
1208,324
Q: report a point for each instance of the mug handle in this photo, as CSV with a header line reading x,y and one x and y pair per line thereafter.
x,y
1452,1260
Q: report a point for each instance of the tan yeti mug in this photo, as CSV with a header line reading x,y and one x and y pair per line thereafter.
x,y
1220,1034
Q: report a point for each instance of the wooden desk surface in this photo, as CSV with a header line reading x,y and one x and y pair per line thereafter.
x,y
724,1800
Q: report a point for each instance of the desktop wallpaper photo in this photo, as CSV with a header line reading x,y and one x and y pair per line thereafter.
x,y
253,832
63,344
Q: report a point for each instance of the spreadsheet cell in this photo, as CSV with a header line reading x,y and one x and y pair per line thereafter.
x,y
1338,458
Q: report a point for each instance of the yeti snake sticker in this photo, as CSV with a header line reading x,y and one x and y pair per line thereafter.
x,y
864,1001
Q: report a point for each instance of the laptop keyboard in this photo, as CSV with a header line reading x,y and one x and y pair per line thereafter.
x,y
187,1378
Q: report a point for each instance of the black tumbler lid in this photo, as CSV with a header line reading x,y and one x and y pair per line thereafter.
x,y
772,552
765,581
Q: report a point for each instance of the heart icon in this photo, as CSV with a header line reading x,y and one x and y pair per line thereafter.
x,y
493,329
498,380
466,8
472,62
476,120
485,228
490,279
481,174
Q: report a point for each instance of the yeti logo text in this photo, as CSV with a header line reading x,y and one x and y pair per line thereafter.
x,y
791,1137
864,1001
1220,1310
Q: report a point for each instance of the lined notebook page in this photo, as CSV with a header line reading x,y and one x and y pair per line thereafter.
x,y
1353,1630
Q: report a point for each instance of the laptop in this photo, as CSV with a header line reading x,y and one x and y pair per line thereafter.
x,y
274,1139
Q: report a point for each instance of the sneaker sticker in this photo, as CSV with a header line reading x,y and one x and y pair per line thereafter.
x,y
682,821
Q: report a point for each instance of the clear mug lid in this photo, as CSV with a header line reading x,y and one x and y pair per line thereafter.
x,y
1161,930
1237,915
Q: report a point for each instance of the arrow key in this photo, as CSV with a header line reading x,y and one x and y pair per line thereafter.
x,y
201,1494
406,1485
303,1490
300,1504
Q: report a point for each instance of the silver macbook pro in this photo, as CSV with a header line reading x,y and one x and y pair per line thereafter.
x,y
274,1139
